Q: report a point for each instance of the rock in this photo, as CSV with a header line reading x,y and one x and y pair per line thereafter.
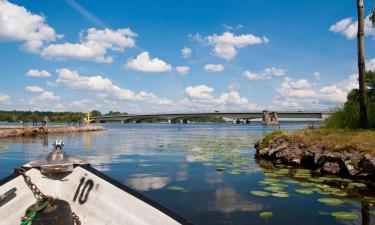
x,y
262,152
367,165
331,167
272,152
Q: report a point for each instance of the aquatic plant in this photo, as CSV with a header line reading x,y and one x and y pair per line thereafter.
x,y
345,215
260,193
264,142
266,214
330,201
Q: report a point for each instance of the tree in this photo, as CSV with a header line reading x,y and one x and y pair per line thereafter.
x,y
95,113
361,66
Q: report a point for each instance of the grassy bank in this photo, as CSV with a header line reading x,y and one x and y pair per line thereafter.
x,y
330,139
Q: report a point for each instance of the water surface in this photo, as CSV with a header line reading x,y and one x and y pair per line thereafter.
x,y
207,173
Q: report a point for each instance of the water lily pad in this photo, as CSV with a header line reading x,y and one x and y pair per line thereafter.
x,y
265,182
356,185
175,188
305,191
340,193
234,172
220,169
345,215
279,185
330,201
271,179
274,189
280,194
265,214
291,181
260,193
306,184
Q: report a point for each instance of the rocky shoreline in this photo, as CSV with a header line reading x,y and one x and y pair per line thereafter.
x,y
27,131
347,162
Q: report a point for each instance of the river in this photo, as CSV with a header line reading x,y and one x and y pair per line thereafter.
x,y
207,173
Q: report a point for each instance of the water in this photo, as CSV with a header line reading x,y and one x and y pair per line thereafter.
x,y
179,166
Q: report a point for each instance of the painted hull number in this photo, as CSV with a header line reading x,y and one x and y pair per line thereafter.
x,y
83,194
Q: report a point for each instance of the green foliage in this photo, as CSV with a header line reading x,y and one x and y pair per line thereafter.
x,y
347,116
115,113
95,113
208,119
266,139
28,116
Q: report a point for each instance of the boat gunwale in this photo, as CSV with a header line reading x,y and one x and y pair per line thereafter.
x,y
119,185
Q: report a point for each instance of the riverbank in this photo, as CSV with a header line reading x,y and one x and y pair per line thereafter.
x,y
26,131
346,153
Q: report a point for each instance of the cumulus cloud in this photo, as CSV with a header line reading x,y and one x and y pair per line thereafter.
x,y
182,69
144,63
370,64
4,98
349,28
46,97
93,46
225,45
186,52
80,104
34,89
199,92
18,24
302,94
213,67
266,74
201,97
104,87
38,73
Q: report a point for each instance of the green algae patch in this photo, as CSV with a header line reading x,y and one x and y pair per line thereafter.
x,y
304,191
330,201
345,215
260,193
266,214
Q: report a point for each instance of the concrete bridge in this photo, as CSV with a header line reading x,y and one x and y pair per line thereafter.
x,y
268,117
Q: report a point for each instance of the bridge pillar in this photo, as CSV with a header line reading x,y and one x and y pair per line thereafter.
x,y
169,121
270,118
247,121
236,121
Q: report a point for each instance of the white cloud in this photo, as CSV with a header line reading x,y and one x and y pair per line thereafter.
x,y
274,71
233,86
38,73
254,76
18,24
80,104
186,52
226,44
199,92
349,27
370,64
213,67
302,94
51,84
182,69
201,97
317,76
104,87
93,46
4,98
266,74
34,89
44,98
144,63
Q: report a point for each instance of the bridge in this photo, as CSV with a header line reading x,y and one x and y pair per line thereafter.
x,y
268,117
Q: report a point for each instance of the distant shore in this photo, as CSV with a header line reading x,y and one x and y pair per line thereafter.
x,y
27,131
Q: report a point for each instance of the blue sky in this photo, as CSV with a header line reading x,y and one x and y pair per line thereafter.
x,y
128,55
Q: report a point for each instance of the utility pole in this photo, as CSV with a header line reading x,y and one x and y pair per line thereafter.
x,y
361,66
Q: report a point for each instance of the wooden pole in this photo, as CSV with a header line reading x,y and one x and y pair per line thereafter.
x,y
361,66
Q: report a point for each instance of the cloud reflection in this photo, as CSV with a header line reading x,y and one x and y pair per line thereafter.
x,y
228,201
146,182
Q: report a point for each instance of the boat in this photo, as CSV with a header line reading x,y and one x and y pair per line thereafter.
x,y
61,189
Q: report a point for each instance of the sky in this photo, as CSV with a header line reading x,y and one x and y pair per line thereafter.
x,y
178,56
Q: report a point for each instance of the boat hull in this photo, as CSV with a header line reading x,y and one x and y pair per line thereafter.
x,y
94,197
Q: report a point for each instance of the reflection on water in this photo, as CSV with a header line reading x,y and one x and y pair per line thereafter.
x,y
228,201
207,173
